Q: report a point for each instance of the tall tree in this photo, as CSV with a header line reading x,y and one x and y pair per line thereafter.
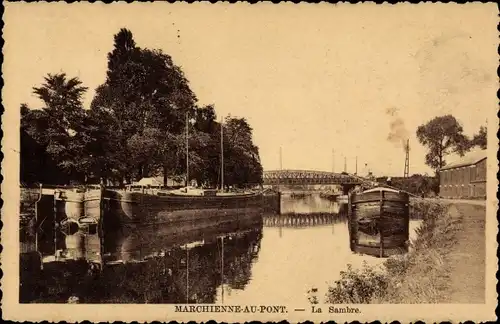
x,y
144,93
59,126
479,139
442,135
140,115
243,161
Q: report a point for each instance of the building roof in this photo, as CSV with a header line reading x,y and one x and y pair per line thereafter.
x,y
470,158
152,181
382,189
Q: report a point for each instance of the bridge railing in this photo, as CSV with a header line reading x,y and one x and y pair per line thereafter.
x,y
291,181
309,177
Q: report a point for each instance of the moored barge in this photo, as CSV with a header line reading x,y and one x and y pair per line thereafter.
x,y
125,207
379,222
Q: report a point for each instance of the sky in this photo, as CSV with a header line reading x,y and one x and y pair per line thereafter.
x,y
323,82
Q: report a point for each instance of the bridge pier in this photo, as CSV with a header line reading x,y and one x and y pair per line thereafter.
x,y
348,187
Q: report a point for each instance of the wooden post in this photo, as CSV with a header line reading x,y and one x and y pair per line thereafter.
x,y
380,223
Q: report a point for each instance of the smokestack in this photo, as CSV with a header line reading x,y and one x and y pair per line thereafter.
x,y
333,161
281,159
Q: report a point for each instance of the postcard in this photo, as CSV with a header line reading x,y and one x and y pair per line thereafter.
x,y
237,162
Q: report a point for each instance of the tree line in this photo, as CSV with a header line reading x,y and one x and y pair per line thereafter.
x,y
417,184
443,136
134,127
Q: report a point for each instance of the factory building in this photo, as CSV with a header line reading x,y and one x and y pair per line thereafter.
x,y
464,178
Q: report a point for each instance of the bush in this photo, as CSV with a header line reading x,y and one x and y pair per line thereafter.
x,y
358,286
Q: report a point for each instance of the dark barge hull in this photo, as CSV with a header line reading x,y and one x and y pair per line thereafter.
x,y
379,222
133,208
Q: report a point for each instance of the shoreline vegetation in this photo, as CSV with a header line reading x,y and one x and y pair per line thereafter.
x,y
419,276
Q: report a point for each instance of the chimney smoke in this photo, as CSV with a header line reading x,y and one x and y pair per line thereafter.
x,y
398,134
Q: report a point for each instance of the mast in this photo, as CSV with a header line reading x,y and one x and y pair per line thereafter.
x,y
345,164
281,171
221,155
187,150
281,160
333,161
356,166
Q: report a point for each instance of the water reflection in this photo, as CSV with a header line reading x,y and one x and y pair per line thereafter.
x,y
307,204
248,262
143,265
298,220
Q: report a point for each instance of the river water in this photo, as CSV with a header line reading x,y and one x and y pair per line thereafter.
x,y
275,259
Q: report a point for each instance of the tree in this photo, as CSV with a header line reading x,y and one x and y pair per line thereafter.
x,y
205,147
36,166
59,126
442,136
479,139
243,161
144,93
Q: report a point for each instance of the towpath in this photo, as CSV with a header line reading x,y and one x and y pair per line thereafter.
x,y
468,257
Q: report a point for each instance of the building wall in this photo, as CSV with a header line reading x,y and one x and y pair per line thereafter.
x,y
464,182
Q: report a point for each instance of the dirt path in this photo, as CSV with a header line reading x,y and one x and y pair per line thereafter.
x,y
467,257
462,201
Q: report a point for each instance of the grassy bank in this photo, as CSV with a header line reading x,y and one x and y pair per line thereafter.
x,y
420,276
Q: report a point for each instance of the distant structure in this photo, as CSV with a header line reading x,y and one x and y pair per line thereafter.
x,y
333,160
465,177
407,159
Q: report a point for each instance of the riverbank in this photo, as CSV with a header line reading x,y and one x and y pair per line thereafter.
x,y
468,257
446,263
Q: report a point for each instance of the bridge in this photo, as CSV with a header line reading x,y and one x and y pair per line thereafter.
x,y
308,178
305,177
